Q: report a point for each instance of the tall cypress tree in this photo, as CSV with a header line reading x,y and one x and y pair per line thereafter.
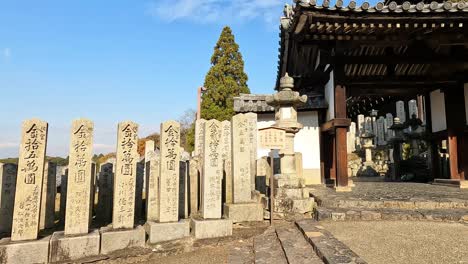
x,y
225,79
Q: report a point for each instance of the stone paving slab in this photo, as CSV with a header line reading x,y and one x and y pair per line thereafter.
x,y
403,242
241,255
397,195
327,247
296,248
267,249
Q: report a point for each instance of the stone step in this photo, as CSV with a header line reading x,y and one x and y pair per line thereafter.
x,y
326,246
371,214
267,248
296,248
391,204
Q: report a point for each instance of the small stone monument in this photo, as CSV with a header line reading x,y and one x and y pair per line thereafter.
x,y
367,168
76,239
49,190
226,153
7,198
210,224
168,226
290,194
26,212
122,234
105,194
29,180
152,198
243,208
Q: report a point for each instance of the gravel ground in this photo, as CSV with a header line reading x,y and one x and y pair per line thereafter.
x,y
404,242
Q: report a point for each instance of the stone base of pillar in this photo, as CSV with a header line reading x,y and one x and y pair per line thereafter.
x,y
454,183
35,251
68,248
112,240
289,181
244,212
161,232
294,206
211,228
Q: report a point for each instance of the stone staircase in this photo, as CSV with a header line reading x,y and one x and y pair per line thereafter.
x,y
391,210
282,243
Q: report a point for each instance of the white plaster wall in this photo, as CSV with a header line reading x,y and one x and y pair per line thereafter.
x,y
466,102
307,141
330,98
439,122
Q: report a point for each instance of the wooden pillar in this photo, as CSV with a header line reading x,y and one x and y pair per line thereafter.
x,y
332,150
453,154
464,158
340,138
456,123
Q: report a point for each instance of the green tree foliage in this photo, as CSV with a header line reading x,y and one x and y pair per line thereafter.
x,y
225,79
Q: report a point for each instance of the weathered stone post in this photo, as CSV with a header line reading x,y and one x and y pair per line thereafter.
x,y
49,190
26,212
75,240
168,226
226,153
152,187
210,224
121,234
29,181
105,194
7,195
243,207
290,195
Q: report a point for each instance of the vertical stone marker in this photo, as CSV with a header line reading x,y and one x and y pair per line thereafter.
x,y
400,111
125,175
49,190
381,131
241,149
252,126
226,153
122,234
29,181
199,134
7,195
413,109
243,208
169,172
105,183
79,178
167,197
76,240
389,119
152,198
360,124
212,171
211,225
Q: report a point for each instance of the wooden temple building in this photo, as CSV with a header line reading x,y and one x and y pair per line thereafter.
x,y
358,58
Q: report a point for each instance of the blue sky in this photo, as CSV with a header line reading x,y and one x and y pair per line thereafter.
x,y
111,61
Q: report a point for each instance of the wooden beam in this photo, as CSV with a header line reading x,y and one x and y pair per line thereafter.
x,y
404,59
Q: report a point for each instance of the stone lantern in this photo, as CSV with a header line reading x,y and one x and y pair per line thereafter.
x,y
367,168
285,103
290,194
396,141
